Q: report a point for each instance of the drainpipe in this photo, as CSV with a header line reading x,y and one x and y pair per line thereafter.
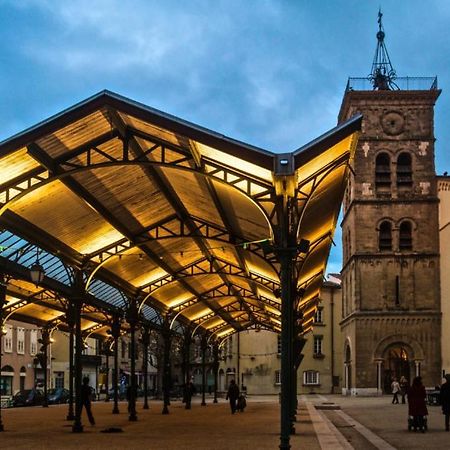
x,y
332,339
238,374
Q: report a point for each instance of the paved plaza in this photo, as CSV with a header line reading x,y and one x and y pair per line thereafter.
x,y
324,422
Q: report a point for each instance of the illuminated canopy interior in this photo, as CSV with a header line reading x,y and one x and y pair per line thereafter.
x,y
155,209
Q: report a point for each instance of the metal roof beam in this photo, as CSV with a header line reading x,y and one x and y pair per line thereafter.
x,y
168,192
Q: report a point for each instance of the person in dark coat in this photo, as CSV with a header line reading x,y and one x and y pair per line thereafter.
x,y
417,406
445,400
233,395
86,394
404,386
189,391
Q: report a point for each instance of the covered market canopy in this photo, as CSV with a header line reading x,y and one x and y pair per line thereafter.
x,y
155,210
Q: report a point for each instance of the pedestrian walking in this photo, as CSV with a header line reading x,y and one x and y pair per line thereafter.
x,y
395,386
189,391
417,407
404,385
86,394
445,400
233,395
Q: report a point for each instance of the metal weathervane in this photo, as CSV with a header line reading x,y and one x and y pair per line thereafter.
x,y
383,74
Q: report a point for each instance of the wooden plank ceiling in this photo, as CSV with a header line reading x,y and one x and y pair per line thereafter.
x,y
166,212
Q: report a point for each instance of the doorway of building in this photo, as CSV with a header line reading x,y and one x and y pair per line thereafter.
x,y
397,365
348,370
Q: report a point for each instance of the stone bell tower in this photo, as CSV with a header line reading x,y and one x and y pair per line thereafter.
x,y
390,277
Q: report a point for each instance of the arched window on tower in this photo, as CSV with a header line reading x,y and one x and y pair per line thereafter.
x,y
404,171
405,236
383,172
385,236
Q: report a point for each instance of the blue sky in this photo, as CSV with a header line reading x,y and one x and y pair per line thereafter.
x,y
268,72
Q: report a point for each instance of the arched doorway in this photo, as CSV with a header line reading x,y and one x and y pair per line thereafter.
x,y
397,363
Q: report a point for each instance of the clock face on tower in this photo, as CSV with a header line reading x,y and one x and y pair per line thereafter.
x,y
392,123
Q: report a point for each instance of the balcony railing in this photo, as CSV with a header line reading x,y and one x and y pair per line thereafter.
x,y
403,83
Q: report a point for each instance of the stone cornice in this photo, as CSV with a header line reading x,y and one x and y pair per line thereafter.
x,y
386,201
392,255
383,98
423,315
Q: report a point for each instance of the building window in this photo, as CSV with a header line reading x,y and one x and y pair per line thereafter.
x,y
383,172
59,380
405,236
404,171
8,339
385,236
311,377
20,341
277,376
318,346
33,342
318,316
279,344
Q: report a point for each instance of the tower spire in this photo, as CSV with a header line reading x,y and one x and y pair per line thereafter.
x,y
383,74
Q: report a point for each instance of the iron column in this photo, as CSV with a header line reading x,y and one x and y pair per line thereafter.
x,y
43,356
145,343
166,364
115,333
78,302
132,318
70,320
107,351
215,368
204,346
2,304
285,256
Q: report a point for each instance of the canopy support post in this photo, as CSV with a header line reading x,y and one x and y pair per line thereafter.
x,y
186,356
132,318
45,341
107,352
2,303
204,346
166,364
115,333
78,303
145,344
215,368
70,320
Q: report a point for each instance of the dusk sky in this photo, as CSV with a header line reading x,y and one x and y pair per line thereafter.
x,y
268,72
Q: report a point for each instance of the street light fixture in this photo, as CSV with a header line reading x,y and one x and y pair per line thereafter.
x,y
37,272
